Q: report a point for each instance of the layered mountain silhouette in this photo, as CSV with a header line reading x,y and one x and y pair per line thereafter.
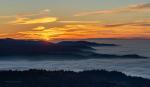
x,y
64,49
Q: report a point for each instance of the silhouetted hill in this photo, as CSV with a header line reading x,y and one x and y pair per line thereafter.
x,y
83,43
94,78
116,56
11,47
15,42
64,49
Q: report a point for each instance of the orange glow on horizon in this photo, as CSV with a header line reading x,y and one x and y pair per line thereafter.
x,y
78,31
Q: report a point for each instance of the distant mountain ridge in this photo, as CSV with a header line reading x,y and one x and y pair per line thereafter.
x,y
64,49
83,43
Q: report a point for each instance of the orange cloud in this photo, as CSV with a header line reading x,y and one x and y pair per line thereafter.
x,y
132,8
39,28
28,18
81,22
34,21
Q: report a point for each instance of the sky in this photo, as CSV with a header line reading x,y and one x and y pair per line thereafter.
x,y
74,19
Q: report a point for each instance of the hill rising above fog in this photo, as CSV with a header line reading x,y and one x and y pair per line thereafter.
x,y
64,49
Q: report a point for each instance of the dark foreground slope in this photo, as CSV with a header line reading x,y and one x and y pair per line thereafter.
x,y
95,78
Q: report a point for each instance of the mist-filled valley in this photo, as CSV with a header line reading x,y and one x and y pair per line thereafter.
x,y
127,56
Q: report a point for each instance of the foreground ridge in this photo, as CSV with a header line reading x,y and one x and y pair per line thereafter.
x,y
93,78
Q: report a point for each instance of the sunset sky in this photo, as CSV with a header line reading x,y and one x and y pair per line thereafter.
x,y
74,19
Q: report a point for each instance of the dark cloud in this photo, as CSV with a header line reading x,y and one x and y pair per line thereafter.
x,y
132,8
117,25
141,6
144,24
148,25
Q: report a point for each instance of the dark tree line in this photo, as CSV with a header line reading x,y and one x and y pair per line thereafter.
x,y
94,78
